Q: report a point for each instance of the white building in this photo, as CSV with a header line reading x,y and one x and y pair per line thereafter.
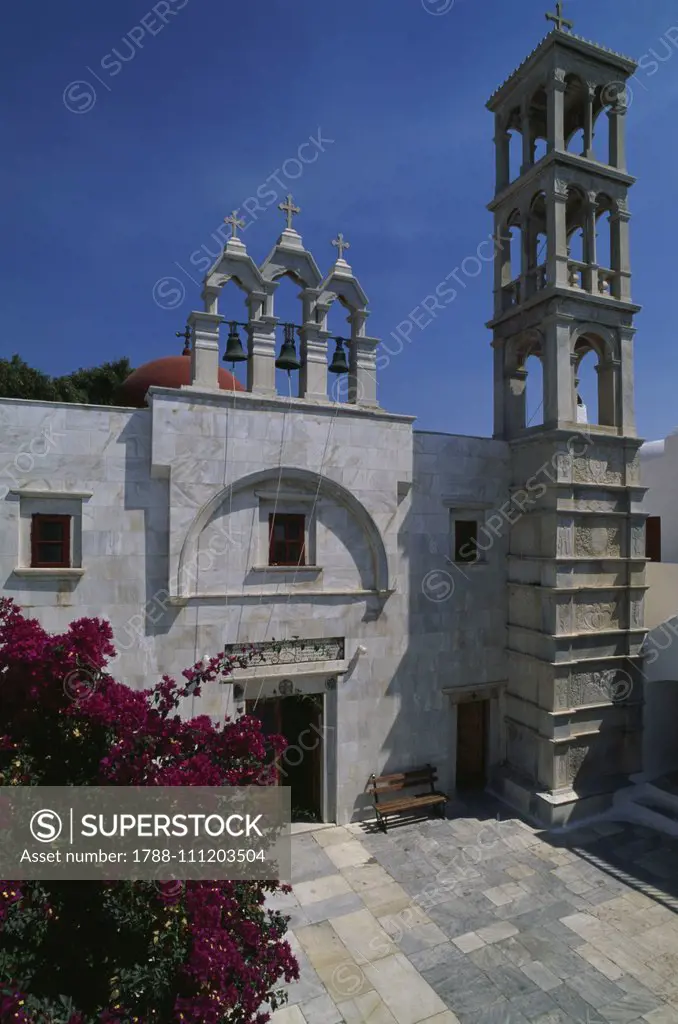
x,y
495,585
161,517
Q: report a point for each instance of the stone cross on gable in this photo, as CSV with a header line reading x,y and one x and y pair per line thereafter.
x,y
558,19
290,210
341,244
235,223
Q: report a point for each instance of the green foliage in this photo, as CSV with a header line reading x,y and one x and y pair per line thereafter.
x,y
96,385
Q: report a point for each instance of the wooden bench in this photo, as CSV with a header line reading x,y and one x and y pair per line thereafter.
x,y
395,783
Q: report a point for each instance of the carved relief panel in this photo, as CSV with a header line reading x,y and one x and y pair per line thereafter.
x,y
638,540
597,503
592,540
593,616
564,617
598,686
565,539
600,468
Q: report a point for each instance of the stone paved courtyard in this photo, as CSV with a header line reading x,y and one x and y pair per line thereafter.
x,y
483,920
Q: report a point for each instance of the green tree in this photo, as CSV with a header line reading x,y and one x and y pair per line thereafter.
x,y
96,385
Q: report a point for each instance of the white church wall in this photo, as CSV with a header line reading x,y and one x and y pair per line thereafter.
x,y
146,474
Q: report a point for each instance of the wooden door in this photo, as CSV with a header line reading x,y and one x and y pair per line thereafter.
x,y
471,744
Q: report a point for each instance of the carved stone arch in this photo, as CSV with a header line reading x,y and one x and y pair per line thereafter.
x,y
602,340
306,479
296,263
575,100
300,267
514,219
512,121
517,351
604,203
536,224
345,288
521,347
538,105
238,267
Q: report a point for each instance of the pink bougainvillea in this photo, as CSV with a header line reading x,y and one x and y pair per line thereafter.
x,y
114,952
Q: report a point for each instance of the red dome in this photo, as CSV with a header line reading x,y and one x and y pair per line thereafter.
x,y
168,372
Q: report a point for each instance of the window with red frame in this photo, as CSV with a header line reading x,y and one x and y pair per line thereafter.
x,y
50,542
286,539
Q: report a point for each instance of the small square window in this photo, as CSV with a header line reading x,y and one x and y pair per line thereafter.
x,y
286,539
465,540
653,538
50,541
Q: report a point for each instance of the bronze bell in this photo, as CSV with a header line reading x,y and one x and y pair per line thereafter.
x,y
234,351
287,360
339,363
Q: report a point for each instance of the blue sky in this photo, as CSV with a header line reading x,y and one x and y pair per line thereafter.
x,y
116,194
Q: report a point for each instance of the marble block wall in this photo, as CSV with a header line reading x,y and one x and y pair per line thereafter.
x,y
170,508
457,611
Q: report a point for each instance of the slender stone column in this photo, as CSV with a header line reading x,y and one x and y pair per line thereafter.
x,y
557,235
591,271
627,415
524,255
313,373
205,350
502,143
210,296
558,373
502,264
261,346
362,375
621,256
528,143
608,392
588,122
616,116
556,112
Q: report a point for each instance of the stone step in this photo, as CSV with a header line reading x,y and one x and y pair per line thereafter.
x,y
647,804
667,783
660,799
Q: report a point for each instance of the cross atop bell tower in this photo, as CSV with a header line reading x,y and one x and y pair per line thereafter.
x,y
560,21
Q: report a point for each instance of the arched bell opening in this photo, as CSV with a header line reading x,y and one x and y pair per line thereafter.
x,y
575,104
534,390
538,115
233,337
288,307
515,144
604,251
536,244
595,380
524,383
601,125
509,260
338,349
578,257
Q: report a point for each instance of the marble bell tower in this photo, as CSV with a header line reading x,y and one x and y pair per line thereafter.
x,y
576,563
